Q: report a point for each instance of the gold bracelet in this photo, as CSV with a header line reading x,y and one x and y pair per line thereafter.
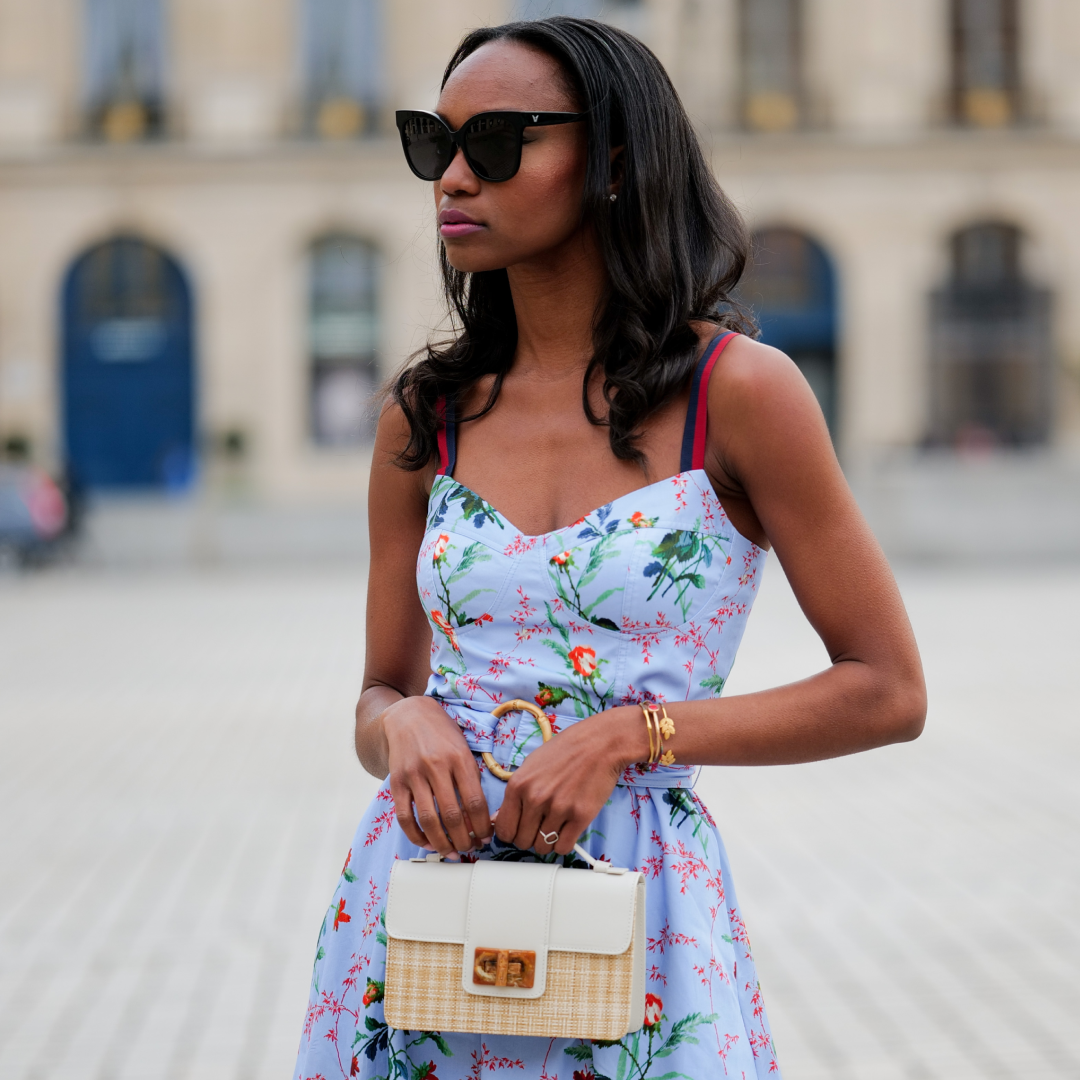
x,y
653,728
665,729
667,725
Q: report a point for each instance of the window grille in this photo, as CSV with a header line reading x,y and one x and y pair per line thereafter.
x,y
343,74
343,338
772,81
985,47
991,358
124,68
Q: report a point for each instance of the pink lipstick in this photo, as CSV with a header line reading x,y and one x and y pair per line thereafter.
x,y
455,223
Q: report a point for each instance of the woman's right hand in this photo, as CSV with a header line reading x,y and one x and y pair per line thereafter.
x,y
434,778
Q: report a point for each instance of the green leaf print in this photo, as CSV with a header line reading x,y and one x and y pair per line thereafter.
x,y
452,614
682,803
548,696
714,682
677,561
570,588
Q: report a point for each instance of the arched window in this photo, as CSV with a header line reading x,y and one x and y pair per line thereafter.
x,y
771,75
123,68
986,79
342,61
991,364
791,287
343,338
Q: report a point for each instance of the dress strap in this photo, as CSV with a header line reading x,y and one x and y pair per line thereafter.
x,y
697,412
447,437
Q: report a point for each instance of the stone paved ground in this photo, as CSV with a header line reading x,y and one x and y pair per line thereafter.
x,y
177,794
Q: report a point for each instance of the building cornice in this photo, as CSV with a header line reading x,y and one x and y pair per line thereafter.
x,y
379,159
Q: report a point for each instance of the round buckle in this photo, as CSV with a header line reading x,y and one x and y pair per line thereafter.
x,y
517,705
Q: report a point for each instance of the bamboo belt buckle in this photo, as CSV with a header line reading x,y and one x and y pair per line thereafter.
x,y
517,705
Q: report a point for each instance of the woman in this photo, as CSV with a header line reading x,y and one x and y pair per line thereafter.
x,y
582,484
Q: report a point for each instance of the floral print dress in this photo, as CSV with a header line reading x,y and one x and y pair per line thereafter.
x,y
644,599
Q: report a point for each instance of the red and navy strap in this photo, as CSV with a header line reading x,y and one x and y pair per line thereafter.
x,y
447,437
697,413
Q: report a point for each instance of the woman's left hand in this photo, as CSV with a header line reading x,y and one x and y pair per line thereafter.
x,y
564,784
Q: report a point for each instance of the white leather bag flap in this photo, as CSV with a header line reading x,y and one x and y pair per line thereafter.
x,y
509,909
591,911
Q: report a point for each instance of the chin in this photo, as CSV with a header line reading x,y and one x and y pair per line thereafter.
x,y
471,262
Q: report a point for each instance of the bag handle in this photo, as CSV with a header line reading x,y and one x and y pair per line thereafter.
x,y
517,705
598,865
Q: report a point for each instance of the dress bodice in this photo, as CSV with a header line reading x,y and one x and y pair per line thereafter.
x,y
643,599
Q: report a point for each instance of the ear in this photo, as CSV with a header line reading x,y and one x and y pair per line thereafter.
x,y
617,159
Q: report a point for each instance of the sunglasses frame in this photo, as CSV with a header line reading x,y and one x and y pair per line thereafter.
x,y
519,120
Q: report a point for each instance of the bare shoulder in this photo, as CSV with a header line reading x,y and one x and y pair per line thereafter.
x,y
407,489
758,397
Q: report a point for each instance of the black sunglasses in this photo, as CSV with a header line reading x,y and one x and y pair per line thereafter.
x,y
490,141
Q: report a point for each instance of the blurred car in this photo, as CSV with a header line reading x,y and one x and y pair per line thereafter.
x,y
35,512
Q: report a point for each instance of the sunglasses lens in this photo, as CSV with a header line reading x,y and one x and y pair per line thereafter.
x,y
427,146
494,147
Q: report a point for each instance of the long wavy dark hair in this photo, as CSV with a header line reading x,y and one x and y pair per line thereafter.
x,y
673,244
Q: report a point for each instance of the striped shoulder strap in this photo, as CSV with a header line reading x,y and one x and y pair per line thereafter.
x,y
697,412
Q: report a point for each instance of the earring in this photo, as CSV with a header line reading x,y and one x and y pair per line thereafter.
x,y
612,197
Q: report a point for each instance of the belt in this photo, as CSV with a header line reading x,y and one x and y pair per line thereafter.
x,y
512,737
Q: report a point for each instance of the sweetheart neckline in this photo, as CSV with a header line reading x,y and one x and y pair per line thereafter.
x,y
611,502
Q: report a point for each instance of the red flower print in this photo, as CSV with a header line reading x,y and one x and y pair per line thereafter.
x,y
640,521
584,1074
654,1009
339,914
440,547
545,697
354,1068
562,558
441,621
373,993
483,619
425,1072
584,660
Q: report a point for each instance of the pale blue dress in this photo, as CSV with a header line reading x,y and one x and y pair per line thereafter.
x,y
644,599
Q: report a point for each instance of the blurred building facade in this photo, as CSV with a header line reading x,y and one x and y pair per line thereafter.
x,y
211,249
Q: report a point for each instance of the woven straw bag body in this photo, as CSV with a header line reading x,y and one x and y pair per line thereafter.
x,y
582,932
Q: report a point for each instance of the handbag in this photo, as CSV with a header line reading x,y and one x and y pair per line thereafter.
x,y
515,948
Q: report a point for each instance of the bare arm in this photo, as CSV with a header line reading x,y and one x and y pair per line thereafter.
x,y
433,776
769,447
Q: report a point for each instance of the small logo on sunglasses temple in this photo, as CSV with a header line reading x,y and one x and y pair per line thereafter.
x,y
535,116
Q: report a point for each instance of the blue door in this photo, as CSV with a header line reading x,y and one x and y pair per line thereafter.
x,y
129,378
791,287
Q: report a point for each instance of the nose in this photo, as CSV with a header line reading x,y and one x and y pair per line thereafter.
x,y
459,179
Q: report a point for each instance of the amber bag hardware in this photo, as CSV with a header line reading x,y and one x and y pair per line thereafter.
x,y
515,948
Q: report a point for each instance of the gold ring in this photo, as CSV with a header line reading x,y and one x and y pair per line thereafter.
x,y
517,705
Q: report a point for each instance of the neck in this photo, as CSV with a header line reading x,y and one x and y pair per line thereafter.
x,y
555,303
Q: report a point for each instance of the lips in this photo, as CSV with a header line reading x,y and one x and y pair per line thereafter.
x,y
455,223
